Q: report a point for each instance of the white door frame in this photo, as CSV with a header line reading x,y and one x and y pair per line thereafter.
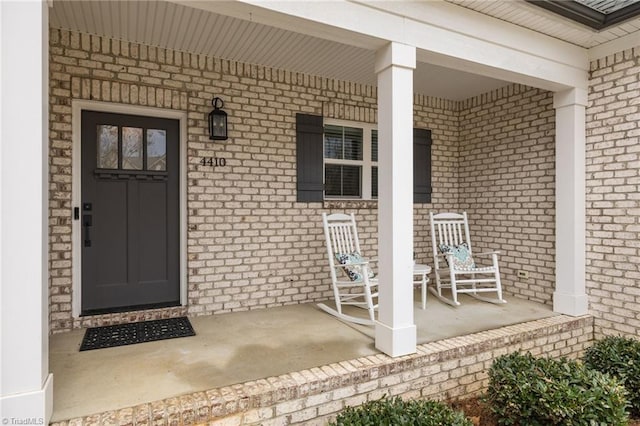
x,y
77,107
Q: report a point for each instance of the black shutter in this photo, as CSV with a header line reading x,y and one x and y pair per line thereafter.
x,y
309,157
421,166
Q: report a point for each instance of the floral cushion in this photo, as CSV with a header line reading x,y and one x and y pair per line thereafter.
x,y
462,258
353,272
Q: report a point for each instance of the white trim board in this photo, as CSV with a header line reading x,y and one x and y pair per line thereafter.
x,y
443,34
615,46
77,107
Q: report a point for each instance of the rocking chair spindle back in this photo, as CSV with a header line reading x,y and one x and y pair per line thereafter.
x,y
353,283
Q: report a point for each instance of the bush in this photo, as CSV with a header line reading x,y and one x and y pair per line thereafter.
x,y
396,412
619,357
539,391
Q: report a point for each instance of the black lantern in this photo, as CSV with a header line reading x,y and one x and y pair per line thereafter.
x,y
217,121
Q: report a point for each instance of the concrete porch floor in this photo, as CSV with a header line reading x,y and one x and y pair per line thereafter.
x,y
239,347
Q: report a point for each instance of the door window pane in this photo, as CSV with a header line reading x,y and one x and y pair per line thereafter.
x,y
156,149
132,148
107,146
342,181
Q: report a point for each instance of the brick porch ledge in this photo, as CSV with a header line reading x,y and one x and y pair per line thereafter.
x,y
451,368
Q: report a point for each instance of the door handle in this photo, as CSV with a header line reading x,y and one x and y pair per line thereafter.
x,y
87,222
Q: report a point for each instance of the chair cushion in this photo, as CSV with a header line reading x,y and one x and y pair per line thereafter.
x,y
462,258
353,272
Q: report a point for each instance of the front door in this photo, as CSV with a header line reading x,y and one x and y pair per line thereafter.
x,y
129,212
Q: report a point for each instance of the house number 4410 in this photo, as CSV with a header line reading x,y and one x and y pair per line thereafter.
x,y
213,162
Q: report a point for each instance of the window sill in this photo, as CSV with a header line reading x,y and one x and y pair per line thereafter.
x,y
350,204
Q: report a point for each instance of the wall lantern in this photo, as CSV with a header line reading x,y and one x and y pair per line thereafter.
x,y
217,121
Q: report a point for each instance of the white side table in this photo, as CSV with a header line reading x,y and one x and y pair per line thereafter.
x,y
421,276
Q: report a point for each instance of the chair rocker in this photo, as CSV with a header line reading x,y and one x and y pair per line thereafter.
x,y
351,275
455,268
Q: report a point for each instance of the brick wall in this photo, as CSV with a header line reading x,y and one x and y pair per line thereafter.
x,y
250,244
507,184
613,199
444,123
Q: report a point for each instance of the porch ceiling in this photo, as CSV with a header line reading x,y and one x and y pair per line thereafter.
x,y
180,27
219,29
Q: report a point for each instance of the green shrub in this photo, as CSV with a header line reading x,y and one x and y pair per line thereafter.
x,y
524,390
396,412
619,357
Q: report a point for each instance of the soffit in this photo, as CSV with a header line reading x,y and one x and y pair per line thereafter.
x,y
179,27
529,16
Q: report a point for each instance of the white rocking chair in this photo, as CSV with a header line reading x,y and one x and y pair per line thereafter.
x,y
351,276
455,268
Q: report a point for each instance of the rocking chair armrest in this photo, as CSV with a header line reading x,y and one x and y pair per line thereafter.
x,y
346,265
487,253
443,256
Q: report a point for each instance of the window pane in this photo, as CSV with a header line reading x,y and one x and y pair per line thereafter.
x,y
374,181
333,142
132,148
374,145
351,181
352,143
342,181
342,143
156,149
107,146
332,181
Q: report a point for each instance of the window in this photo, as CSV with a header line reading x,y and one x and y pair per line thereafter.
x,y
339,160
350,160
123,148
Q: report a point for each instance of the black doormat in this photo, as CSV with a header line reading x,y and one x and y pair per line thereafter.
x,y
137,332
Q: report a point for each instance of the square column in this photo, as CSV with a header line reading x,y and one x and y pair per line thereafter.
x,y
395,330
26,387
570,297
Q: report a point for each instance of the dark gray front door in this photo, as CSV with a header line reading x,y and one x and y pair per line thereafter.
x,y
130,212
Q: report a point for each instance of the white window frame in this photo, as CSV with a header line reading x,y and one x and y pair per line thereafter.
x,y
365,163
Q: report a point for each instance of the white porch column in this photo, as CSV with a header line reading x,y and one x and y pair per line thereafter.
x,y
395,330
26,387
570,297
